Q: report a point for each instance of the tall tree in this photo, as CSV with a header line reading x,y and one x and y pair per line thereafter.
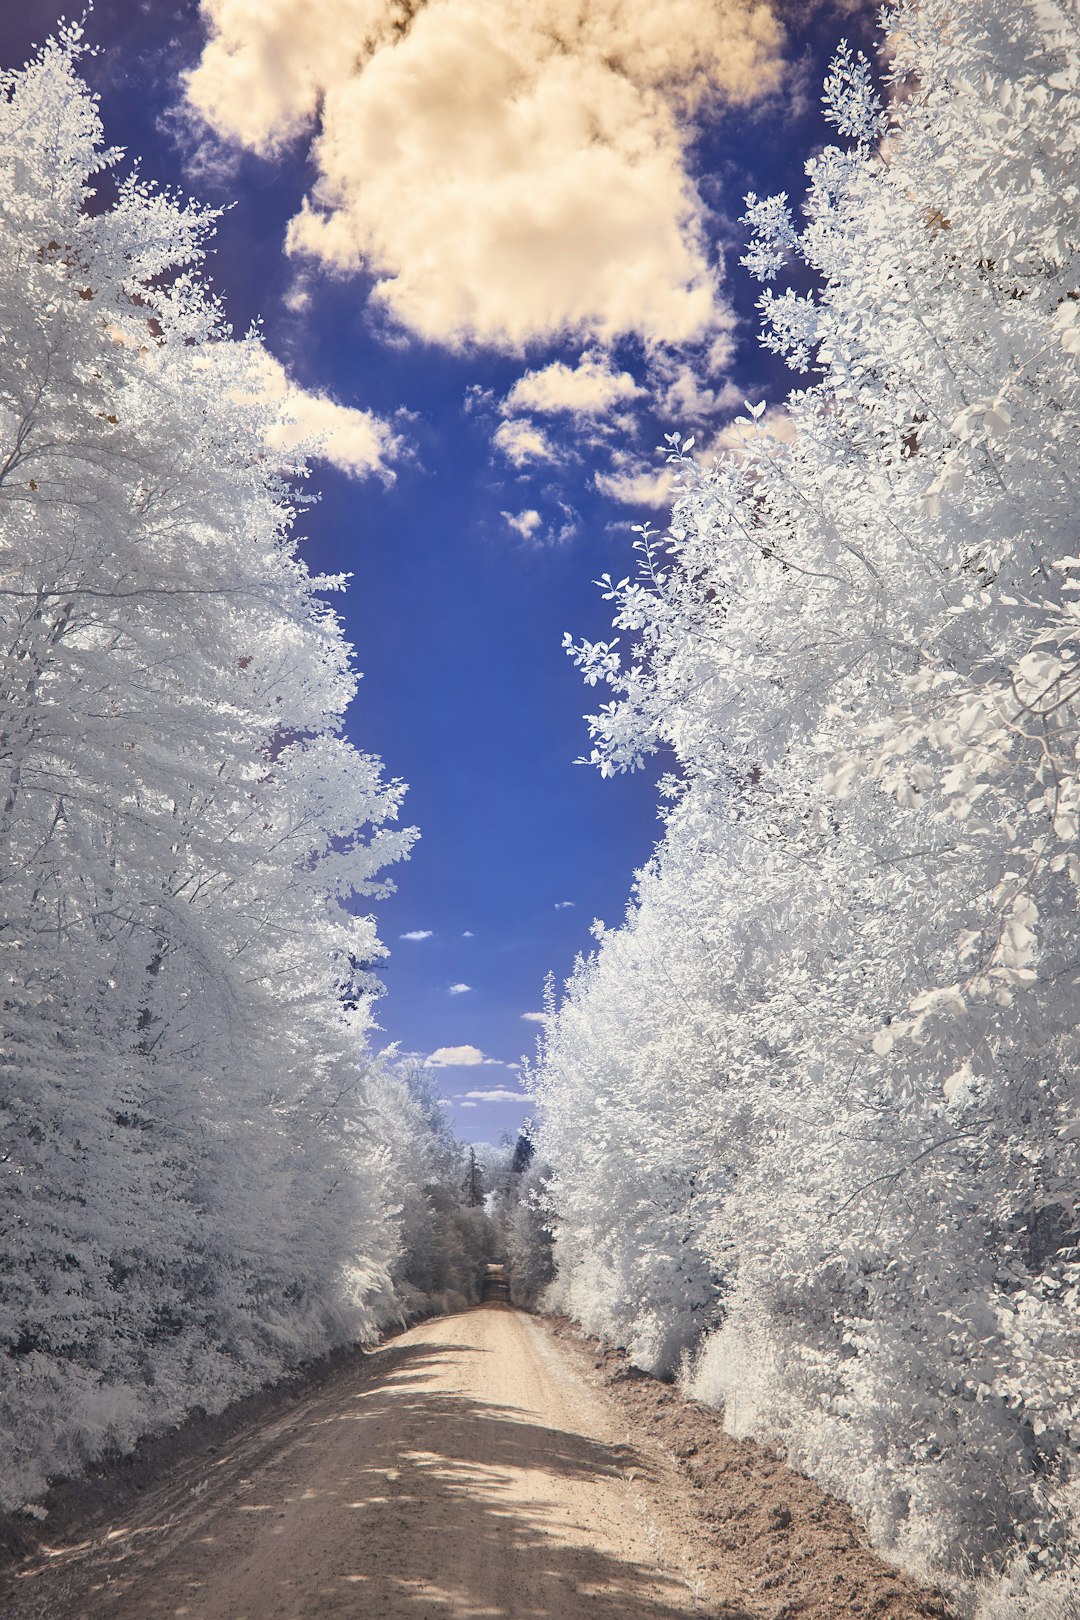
x,y
194,1195
829,1058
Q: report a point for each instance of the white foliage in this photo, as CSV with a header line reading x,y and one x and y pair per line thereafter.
x,y
812,1110
195,1183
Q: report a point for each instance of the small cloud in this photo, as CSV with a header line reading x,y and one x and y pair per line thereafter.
x,y
564,905
535,1017
521,441
524,524
568,528
686,389
418,933
588,389
468,934
297,298
458,1057
207,159
459,989
478,398
635,481
356,442
497,1094
466,1105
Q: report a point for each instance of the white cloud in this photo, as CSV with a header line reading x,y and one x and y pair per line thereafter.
x,y
208,160
535,1017
568,528
564,905
459,989
521,441
636,481
536,532
355,441
468,934
588,389
467,1105
498,1094
524,524
691,389
508,170
418,933
297,297
458,1057
478,398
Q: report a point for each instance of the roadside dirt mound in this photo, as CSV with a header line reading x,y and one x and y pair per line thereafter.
x,y
799,1552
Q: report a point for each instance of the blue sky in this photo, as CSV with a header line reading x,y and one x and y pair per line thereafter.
x,y
522,261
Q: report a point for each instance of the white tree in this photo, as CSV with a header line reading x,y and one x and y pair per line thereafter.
x,y
842,1006
184,828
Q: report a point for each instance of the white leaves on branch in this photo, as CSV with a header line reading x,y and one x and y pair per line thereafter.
x,y
835,1176
194,1184
851,102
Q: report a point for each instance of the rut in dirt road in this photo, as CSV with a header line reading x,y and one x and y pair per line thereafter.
x,y
463,1471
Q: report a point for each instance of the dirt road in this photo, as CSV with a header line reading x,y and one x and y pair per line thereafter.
x,y
464,1471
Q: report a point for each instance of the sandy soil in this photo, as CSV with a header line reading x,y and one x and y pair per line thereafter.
x,y
790,1548
481,1467
465,1470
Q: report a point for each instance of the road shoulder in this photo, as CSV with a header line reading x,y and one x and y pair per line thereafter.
x,y
746,1517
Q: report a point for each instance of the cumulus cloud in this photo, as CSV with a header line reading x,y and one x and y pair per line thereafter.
x,y
588,389
418,933
468,934
640,481
558,534
458,1057
210,161
357,442
537,531
524,524
297,298
497,1094
535,1017
635,480
521,441
459,989
506,170
689,389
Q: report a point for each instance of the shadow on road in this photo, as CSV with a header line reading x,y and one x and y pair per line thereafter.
x,y
381,1500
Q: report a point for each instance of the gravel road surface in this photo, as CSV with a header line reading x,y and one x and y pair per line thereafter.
x,y
465,1470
